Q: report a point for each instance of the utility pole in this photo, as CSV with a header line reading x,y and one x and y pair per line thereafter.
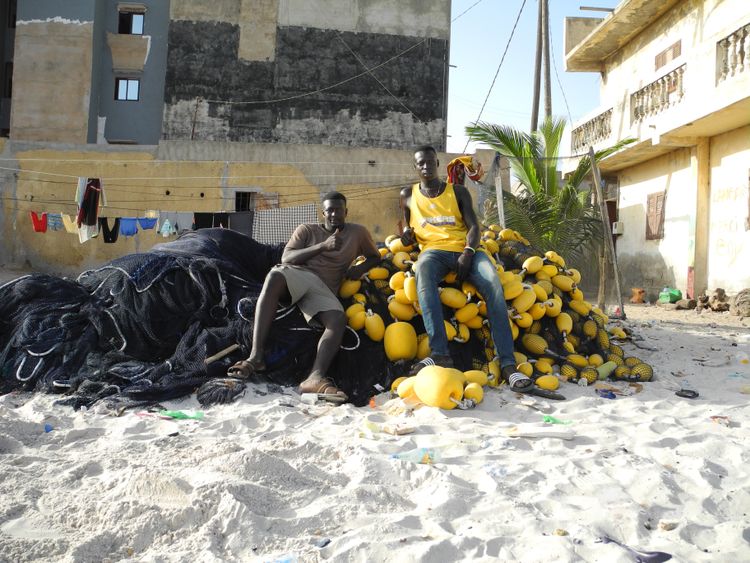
x,y
537,70
545,42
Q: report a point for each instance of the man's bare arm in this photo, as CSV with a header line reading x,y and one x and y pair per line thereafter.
x,y
470,218
407,236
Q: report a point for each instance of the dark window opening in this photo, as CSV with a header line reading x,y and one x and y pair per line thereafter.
x,y
655,216
127,89
244,201
130,23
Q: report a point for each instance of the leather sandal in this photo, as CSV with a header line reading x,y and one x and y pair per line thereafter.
x,y
244,369
325,389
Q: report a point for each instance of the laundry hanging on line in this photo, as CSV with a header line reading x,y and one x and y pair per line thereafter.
x,y
39,223
88,194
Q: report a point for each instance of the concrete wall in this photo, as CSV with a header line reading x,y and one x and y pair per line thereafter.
x,y
576,30
65,73
418,18
183,176
729,241
52,71
227,52
653,264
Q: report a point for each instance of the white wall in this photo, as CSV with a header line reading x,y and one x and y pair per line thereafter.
x,y
653,264
729,240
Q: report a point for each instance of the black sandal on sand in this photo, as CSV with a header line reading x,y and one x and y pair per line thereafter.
x,y
519,383
442,361
244,369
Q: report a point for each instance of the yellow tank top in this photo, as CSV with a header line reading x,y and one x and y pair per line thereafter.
x,y
437,222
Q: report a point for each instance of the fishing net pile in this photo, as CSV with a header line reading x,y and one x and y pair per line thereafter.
x,y
140,329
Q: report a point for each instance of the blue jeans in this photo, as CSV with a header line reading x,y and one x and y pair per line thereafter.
x,y
431,268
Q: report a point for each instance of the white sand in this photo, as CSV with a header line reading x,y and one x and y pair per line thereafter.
x,y
269,477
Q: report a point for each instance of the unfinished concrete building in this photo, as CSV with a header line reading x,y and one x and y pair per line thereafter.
x,y
220,106
348,73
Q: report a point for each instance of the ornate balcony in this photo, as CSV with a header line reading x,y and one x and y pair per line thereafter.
x,y
733,54
658,96
591,132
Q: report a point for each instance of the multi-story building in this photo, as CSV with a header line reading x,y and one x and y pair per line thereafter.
x,y
211,106
675,76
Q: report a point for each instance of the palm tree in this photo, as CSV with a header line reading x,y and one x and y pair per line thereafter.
x,y
552,213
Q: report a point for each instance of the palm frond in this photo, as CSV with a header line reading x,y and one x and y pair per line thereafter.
x,y
549,135
512,143
552,215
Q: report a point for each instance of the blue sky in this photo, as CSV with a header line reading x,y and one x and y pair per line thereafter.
x,y
478,40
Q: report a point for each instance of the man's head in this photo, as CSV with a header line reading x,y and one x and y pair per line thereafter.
x,y
334,210
426,162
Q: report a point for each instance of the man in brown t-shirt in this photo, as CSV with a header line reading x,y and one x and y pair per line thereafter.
x,y
315,261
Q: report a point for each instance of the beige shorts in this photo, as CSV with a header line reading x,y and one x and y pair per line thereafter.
x,y
308,291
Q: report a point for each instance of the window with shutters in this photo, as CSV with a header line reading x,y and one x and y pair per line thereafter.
x,y
655,216
668,54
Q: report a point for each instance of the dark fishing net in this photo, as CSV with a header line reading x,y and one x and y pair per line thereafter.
x,y
139,329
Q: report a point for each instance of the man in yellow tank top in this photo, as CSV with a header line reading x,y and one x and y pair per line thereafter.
x,y
440,218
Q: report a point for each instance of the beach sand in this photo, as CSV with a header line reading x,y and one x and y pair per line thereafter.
x,y
269,478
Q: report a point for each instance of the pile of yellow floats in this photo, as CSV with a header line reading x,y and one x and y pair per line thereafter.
x,y
558,335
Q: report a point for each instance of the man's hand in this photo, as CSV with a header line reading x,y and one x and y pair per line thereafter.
x,y
407,237
334,242
464,265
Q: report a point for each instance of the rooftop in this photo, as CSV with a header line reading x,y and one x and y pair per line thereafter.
x,y
617,29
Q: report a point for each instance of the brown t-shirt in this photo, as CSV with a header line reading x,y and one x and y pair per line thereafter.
x,y
331,265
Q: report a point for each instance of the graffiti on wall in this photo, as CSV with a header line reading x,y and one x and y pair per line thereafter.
x,y
729,221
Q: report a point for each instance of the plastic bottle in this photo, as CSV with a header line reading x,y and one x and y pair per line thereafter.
x,y
419,455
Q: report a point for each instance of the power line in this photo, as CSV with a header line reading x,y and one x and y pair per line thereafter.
x,y
562,90
466,10
117,205
218,178
507,45
319,90
391,94
193,162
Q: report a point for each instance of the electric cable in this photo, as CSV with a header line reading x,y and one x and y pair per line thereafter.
x,y
559,83
466,10
507,45
319,90
391,94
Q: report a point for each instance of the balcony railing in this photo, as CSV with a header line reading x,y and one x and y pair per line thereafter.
x,y
733,54
591,132
658,96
